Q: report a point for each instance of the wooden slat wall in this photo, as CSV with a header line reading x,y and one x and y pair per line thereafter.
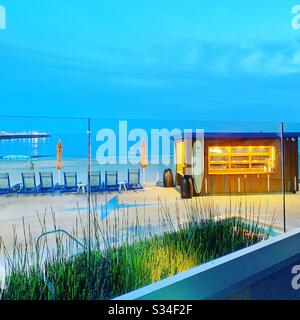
x,y
253,183
291,170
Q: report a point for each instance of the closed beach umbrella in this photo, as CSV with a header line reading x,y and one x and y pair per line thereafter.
x,y
59,149
144,159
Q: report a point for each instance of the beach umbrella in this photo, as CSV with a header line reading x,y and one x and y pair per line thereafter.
x,y
144,159
59,149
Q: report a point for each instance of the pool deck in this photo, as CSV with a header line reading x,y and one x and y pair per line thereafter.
x,y
70,208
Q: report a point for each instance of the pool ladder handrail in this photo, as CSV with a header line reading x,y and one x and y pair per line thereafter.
x,y
42,273
46,233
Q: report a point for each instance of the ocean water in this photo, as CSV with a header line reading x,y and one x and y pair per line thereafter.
x,y
39,155
74,145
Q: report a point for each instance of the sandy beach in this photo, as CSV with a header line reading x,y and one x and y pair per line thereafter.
x,y
148,205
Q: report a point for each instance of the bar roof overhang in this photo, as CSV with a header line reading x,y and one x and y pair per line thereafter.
x,y
237,135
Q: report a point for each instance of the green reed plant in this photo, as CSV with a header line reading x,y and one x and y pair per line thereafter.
x,y
122,258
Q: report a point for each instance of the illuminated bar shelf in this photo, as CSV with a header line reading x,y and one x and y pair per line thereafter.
x,y
241,160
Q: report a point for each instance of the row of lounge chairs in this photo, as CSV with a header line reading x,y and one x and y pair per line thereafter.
x,y
46,183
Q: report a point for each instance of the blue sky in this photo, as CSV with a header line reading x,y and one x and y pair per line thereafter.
x,y
192,59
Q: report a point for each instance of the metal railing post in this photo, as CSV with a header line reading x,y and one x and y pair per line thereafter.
x,y
283,176
89,195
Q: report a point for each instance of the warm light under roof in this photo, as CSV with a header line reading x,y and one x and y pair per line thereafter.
x,y
241,160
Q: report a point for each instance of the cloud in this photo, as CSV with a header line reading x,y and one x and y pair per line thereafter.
x,y
269,58
159,65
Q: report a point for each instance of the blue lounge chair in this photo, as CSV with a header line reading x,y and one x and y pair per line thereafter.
x,y
134,182
46,182
29,183
70,182
4,184
96,184
111,181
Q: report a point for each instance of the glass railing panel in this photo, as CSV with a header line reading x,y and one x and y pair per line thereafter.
x,y
291,172
111,182
43,179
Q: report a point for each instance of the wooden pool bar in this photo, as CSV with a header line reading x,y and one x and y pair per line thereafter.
x,y
242,162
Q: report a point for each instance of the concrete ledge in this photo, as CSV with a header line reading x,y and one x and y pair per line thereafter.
x,y
226,275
